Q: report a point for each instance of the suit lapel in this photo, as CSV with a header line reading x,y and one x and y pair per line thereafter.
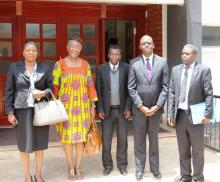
x,y
154,65
179,75
194,74
22,69
121,73
40,71
142,66
107,73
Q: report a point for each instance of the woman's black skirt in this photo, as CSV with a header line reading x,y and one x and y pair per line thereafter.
x,y
30,138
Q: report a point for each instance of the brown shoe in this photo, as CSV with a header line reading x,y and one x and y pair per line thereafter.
x,y
78,173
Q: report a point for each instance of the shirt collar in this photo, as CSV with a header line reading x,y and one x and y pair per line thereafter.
x,y
111,65
150,59
191,66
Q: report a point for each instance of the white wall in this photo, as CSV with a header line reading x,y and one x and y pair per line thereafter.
x,y
211,58
211,55
211,12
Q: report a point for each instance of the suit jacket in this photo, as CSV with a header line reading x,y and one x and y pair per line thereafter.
x,y
18,83
103,88
200,89
148,92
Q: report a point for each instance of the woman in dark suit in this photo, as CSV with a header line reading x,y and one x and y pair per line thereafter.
x,y
28,81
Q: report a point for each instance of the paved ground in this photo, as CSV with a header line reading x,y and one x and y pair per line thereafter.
x,y
55,168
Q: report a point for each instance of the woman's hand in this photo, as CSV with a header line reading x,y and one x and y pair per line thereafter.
x,y
12,119
38,94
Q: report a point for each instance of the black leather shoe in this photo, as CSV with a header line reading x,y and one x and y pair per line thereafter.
x,y
107,171
139,176
184,180
198,180
123,171
157,174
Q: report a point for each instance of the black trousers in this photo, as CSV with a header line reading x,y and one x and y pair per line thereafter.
x,y
143,126
122,144
190,140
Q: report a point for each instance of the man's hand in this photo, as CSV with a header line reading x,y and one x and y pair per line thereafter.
x,y
12,119
171,121
152,110
144,109
127,114
206,120
101,115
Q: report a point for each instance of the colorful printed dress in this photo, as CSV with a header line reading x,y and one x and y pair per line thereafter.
x,y
75,88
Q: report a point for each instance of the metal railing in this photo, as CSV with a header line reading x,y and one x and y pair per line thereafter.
x,y
212,130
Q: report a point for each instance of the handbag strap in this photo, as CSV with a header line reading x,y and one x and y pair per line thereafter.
x,y
53,97
94,124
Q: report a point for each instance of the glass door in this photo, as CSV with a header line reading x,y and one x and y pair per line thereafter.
x,y
45,34
7,56
88,32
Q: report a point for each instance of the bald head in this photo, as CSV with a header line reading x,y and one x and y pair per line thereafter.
x,y
146,45
146,37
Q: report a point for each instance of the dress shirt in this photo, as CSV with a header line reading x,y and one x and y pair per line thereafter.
x,y
112,65
184,105
150,60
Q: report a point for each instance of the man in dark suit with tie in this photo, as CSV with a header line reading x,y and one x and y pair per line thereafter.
x,y
114,106
190,84
147,85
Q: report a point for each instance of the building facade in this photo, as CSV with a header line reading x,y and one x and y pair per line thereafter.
x,y
99,23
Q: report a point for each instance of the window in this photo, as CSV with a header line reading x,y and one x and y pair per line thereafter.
x,y
210,36
6,40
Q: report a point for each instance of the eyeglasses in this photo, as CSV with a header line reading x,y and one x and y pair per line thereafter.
x,y
75,47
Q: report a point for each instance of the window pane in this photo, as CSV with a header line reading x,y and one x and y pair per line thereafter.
x,y
49,49
49,30
38,48
32,30
73,30
89,31
50,63
4,65
5,30
6,49
211,36
92,64
89,49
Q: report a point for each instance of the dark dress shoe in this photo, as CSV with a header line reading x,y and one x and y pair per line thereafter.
x,y
157,174
139,176
199,180
123,171
184,180
107,171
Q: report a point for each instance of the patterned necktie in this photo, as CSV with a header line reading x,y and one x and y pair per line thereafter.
x,y
114,68
183,87
149,69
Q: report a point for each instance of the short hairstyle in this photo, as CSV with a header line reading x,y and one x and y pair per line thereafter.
x,y
29,42
113,46
193,47
77,39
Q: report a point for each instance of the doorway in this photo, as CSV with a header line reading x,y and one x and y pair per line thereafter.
x,y
120,32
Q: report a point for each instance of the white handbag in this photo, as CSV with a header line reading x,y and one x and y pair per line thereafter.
x,y
51,112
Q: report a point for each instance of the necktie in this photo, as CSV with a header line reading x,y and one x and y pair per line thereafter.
x,y
149,69
114,68
183,87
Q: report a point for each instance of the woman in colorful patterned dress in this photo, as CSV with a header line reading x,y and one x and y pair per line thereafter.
x,y
74,86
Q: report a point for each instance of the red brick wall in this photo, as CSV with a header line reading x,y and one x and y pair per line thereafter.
x,y
154,26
